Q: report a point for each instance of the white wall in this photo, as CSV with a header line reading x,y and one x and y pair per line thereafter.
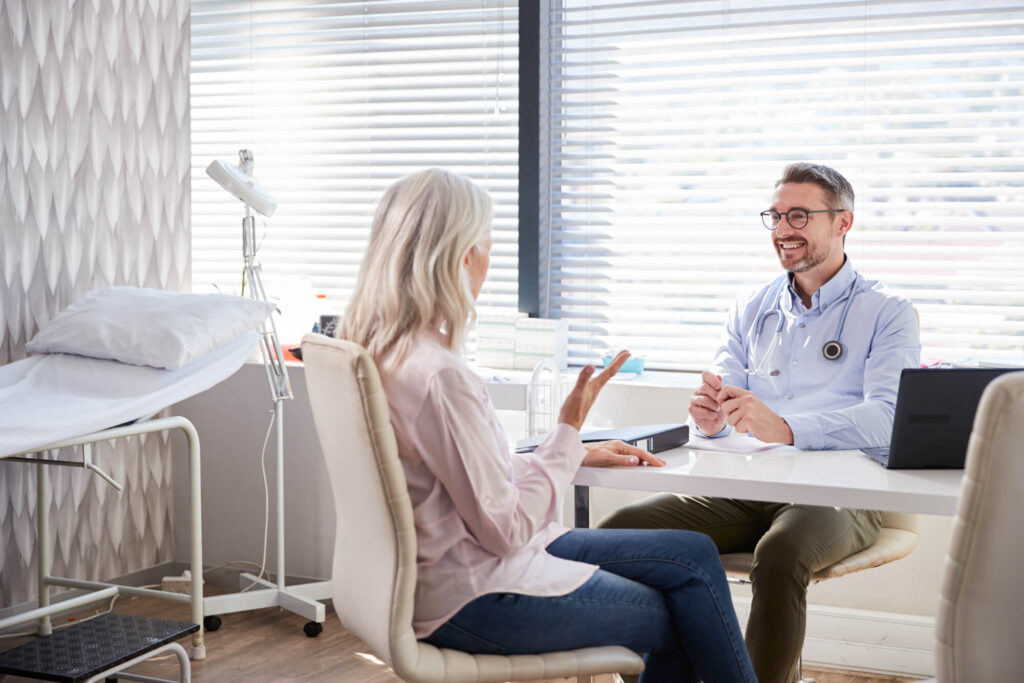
x,y
232,420
94,191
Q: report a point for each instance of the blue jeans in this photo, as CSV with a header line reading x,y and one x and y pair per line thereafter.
x,y
661,592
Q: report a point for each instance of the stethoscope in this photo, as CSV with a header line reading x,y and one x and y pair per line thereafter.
x,y
831,350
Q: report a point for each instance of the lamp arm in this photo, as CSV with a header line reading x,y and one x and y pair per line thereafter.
x,y
270,347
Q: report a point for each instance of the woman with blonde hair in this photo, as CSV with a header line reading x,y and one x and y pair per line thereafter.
x,y
495,572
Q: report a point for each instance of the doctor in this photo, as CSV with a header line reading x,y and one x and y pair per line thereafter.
x,y
812,359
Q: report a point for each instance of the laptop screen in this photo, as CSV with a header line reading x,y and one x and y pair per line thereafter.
x,y
934,415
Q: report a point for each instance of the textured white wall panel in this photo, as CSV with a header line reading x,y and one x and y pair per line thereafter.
x,y
94,191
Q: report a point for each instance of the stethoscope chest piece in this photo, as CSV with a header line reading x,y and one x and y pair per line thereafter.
x,y
832,350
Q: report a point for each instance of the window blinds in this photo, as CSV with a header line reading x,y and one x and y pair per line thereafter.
x,y
667,123
337,100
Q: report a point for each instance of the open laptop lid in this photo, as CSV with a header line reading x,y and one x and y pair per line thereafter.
x,y
935,411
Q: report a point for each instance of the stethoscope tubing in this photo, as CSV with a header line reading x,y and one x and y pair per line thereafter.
x,y
834,344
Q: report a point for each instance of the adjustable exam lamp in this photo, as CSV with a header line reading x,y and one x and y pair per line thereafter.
x,y
239,182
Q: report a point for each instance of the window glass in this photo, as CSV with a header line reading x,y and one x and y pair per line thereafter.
x,y
667,124
337,100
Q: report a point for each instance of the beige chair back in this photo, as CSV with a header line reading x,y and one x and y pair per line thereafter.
x,y
374,570
907,521
981,603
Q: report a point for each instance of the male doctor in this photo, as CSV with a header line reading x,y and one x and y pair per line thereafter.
x,y
811,359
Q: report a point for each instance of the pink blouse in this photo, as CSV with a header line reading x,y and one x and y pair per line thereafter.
x,y
483,513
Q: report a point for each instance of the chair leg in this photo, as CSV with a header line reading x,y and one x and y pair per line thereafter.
x,y
800,672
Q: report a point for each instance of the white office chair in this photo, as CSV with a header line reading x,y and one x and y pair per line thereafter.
x,y
374,572
981,602
897,538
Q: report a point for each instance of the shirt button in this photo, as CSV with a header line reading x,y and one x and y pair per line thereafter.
x,y
803,324
796,362
790,397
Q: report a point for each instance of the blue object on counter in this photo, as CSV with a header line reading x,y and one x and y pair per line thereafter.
x,y
631,365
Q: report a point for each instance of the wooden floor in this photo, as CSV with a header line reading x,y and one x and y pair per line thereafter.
x,y
269,645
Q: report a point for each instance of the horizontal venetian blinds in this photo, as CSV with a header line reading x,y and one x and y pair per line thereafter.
x,y
668,123
337,100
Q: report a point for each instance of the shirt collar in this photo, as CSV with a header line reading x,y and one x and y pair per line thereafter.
x,y
830,292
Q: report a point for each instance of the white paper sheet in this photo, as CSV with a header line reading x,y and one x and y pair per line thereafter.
x,y
51,397
733,443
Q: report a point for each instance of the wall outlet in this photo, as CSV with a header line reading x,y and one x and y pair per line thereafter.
x,y
177,584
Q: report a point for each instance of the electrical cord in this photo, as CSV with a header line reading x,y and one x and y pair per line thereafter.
x,y
266,504
69,623
266,518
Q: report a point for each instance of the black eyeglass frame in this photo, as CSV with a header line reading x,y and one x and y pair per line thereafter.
x,y
769,220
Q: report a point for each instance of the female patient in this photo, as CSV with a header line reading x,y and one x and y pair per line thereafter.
x,y
495,573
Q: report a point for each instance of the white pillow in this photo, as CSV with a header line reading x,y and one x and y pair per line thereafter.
x,y
148,326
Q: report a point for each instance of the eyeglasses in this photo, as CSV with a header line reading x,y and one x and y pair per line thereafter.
x,y
797,218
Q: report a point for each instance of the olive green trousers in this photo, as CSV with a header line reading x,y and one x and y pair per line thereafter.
x,y
789,542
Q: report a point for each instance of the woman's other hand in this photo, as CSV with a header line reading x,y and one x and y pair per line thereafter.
x,y
588,386
618,454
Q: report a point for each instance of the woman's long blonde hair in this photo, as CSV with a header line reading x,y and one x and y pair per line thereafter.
x,y
413,275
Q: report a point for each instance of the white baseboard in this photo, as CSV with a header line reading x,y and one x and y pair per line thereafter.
x,y
862,640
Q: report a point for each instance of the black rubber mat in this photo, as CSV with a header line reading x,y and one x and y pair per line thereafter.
x,y
86,649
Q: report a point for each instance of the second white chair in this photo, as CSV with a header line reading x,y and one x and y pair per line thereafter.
x,y
981,601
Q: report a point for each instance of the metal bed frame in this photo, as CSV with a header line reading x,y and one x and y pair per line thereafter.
x,y
103,590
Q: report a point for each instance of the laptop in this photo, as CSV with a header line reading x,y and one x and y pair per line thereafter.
x,y
934,415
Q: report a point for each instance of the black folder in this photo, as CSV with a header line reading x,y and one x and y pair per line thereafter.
x,y
658,437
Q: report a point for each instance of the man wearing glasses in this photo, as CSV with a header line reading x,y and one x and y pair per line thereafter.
x,y
812,359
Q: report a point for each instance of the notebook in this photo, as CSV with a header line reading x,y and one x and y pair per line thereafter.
x,y
934,415
657,437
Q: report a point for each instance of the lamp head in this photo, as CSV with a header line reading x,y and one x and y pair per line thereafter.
x,y
239,182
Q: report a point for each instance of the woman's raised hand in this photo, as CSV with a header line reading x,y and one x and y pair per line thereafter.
x,y
588,386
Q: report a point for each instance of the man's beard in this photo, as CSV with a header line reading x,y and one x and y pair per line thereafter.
x,y
812,258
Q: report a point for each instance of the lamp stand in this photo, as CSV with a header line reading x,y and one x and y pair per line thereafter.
x,y
301,599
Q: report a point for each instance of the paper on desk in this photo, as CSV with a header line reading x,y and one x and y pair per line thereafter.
x,y
735,442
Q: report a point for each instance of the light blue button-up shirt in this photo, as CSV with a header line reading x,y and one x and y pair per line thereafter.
x,y
829,404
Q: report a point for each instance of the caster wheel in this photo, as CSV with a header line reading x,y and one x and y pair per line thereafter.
x,y
211,623
312,629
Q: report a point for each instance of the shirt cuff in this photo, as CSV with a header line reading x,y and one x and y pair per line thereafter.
x,y
725,431
566,439
807,432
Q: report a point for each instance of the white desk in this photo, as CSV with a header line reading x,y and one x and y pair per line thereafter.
x,y
783,474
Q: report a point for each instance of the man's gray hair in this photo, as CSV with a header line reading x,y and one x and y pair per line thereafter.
x,y
838,191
